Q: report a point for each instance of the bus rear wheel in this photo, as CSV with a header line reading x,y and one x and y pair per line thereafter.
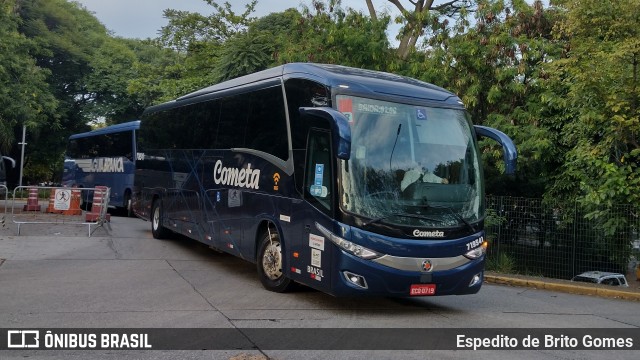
x,y
158,231
270,264
128,210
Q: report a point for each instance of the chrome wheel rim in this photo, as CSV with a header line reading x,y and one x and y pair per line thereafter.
x,y
272,260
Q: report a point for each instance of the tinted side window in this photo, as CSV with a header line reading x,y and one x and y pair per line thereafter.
x,y
160,130
231,130
302,93
201,121
254,120
119,144
266,127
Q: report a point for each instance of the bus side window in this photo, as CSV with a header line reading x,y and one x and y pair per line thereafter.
x,y
318,179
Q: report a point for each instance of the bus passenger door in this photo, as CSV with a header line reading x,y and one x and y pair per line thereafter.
x,y
314,255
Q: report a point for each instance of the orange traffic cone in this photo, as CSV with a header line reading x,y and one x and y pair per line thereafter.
x,y
74,206
32,201
51,207
96,206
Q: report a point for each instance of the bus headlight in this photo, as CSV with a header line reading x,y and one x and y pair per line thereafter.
x,y
348,246
477,252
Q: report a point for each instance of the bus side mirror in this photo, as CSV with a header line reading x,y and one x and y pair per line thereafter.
x,y
509,151
13,162
340,129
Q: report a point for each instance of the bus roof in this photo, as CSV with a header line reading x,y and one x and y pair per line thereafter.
x,y
358,81
131,125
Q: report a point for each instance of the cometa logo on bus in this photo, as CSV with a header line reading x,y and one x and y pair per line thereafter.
x,y
436,233
246,178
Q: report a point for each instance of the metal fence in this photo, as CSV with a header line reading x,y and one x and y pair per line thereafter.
x,y
58,206
543,238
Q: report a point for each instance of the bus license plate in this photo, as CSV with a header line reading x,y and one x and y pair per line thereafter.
x,y
422,289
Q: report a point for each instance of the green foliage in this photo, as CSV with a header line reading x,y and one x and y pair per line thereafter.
x,y
336,36
24,92
601,91
113,66
503,263
245,54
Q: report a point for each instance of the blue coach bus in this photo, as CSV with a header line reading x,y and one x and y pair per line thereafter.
x,y
103,157
350,181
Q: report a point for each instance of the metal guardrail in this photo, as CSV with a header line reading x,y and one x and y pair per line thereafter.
x,y
59,205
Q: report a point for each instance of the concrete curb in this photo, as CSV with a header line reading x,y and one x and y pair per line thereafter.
x,y
566,287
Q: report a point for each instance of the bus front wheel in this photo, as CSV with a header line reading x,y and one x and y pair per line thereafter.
x,y
270,264
158,231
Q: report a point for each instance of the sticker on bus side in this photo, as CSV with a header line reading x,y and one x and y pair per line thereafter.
x,y
316,258
316,242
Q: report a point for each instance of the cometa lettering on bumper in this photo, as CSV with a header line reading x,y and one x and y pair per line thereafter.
x,y
239,177
436,233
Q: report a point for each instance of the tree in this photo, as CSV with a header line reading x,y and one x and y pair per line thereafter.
x,y
601,97
24,95
245,54
107,86
63,42
326,33
416,19
187,55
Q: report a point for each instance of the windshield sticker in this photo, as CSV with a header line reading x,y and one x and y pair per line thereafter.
x,y
319,174
421,114
345,106
378,109
317,188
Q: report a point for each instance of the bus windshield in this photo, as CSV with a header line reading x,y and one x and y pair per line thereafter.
x,y
410,165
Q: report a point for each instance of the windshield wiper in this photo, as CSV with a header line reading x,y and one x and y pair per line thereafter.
x,y
413,216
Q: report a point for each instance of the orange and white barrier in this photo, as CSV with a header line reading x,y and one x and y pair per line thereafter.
x,y
99,205
64,203
74,206
51,208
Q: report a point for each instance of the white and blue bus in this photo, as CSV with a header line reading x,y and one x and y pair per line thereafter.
x,y
103,157
350,181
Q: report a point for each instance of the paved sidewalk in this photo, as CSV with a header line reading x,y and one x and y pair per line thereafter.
x,y
630,293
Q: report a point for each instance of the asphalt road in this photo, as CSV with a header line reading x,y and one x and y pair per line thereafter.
x,y
57,277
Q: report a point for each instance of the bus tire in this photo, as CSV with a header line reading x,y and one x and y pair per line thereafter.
x,y
269,264
158,231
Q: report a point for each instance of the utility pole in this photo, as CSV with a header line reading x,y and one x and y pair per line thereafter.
x,y
23,143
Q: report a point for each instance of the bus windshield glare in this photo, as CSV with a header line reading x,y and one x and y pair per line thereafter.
x,y
410,165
